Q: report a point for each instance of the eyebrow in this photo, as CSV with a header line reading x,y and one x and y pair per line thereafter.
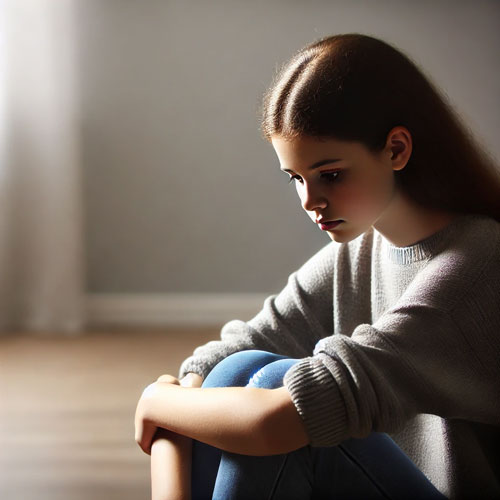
x,y
318,164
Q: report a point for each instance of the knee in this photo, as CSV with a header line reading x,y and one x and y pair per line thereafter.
x,y
271,375
237,369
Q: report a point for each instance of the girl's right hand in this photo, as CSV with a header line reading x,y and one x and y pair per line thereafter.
x,y
169,379
191,380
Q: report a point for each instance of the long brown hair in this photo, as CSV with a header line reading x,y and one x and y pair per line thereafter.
x,y
357,88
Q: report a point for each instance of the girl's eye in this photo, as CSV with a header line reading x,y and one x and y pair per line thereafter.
x,y
330,176
325,176
294,178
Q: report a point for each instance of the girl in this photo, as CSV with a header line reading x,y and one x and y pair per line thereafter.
x,y
375,372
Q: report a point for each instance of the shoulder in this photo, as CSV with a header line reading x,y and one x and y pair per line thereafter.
x,y
453,302
473,237
466,265
471,249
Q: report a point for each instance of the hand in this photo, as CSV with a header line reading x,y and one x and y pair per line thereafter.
x,y
145,430
189,380
192,380
169,379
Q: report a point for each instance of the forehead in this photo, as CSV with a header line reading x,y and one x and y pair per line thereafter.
x,y
307,150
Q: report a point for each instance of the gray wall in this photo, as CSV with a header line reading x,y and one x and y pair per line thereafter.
x,y
181,193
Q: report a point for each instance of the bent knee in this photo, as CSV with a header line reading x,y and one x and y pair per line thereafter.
x,y
237,369
271,375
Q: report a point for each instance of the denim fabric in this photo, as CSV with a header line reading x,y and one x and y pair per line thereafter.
x,y
373,467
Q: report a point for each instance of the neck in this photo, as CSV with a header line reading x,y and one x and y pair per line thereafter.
x,y
405,223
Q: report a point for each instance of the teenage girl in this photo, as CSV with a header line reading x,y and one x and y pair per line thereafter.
x,y
375,372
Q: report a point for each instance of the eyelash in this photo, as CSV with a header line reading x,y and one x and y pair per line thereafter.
x,y
328,177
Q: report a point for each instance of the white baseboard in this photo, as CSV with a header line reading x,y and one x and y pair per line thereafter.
x,y
168,310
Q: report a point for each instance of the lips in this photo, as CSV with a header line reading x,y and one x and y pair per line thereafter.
x,y
329,225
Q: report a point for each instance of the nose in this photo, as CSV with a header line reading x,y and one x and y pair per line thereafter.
x,y
311,199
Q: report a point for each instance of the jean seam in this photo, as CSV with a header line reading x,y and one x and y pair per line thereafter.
x,y
367,474
278,478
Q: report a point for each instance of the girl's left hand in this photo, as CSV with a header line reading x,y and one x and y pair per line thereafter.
x,y
145,429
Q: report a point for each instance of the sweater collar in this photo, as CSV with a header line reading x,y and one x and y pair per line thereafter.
x,y
426,248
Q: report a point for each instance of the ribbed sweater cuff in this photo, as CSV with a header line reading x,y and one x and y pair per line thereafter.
x,y
318,400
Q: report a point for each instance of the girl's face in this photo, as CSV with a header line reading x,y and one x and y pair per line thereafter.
x,y
343,186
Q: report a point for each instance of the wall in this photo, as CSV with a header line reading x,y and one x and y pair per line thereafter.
x,y
182,195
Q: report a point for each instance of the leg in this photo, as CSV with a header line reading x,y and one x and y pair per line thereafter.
x,y
236,478
169,455
374,467
234,371
370,468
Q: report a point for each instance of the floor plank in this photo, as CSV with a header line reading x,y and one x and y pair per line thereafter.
x,y
67,406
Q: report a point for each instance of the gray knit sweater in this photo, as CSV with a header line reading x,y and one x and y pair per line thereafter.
x,y
398,340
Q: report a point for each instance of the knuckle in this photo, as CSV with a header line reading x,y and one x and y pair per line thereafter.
x,y
168,378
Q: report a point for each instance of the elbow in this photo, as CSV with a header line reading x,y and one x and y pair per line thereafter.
x,y
272,435
283,432
285,440
274,428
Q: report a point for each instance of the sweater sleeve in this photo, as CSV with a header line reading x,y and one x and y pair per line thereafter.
x,y
436,352
290,323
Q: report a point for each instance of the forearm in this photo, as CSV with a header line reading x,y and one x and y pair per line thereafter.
x,y
170,466
171,457
248,421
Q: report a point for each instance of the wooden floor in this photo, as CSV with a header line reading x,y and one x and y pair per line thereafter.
x,y
67,408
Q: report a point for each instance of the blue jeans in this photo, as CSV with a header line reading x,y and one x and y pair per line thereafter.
x,y
373,467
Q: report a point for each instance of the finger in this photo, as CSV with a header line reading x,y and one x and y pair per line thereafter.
x,y
169,379
145,438
192,380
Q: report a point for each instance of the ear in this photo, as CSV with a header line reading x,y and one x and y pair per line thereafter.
x,y
399,147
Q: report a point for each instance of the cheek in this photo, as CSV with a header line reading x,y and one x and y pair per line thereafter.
x,y
365,198
354,197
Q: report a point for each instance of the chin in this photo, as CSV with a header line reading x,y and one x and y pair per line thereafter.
x,y
339,238
344,236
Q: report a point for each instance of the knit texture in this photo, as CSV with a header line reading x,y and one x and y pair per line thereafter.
x,y
398,340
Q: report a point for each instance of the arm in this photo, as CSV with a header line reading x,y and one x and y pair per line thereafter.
x,y
171,459
290,323
242,420
432,353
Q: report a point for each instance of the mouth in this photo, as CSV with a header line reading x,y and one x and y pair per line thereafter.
x,y
329,225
